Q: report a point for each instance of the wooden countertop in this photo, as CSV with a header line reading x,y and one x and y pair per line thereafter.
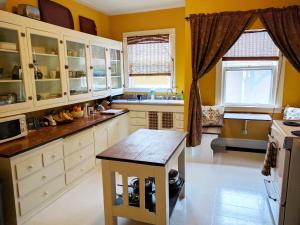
x,y
151,147
44,135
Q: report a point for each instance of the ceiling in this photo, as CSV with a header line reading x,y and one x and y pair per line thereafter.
x,y
116,7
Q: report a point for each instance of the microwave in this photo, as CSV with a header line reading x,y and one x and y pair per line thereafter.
x,y
12,127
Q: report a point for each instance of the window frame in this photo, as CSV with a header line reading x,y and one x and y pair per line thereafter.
x,y
277,89
171,32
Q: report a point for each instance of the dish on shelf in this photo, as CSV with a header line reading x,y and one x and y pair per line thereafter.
x,y
8,46
38,49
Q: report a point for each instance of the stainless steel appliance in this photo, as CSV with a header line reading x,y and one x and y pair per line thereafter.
x,y
12,127
283,186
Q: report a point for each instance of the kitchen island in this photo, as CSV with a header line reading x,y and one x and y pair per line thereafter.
x,y
144,154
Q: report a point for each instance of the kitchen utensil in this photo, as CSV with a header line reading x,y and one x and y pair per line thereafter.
x,y
17,73
53,74
29,11
8,46
8,98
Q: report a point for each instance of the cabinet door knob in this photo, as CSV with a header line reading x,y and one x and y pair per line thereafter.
x,y
30,166
66,67
29,97
65,93
61,41
90,90
109,68
91,67
31,65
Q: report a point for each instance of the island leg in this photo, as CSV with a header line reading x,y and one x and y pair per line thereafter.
x,y
109,193
181,170
162,195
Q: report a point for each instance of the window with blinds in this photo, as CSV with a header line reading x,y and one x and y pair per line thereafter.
x,y
250,71
253,45
149,60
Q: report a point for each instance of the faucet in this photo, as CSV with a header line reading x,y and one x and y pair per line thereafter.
x,y
169,90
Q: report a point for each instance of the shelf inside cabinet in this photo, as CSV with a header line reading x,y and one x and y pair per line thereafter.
x,y
75,57
9,51
45,80
10,81
77,78
45,54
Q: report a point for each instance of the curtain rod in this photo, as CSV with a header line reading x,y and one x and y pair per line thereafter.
x,y
254,10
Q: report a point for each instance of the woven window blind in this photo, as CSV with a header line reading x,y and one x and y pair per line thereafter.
x,y
149,55
253,45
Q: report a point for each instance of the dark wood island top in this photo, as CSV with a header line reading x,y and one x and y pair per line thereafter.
x,y
152,147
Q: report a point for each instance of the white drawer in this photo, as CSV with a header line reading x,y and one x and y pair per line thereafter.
x,y
29,166
40,195
78,141
53,153
40,178
77,157
137,114
80,170
179,124
179,116
138,121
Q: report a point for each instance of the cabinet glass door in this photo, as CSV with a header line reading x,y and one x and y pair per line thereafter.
x,y
99,69
12,83
116,69
46,67
77,66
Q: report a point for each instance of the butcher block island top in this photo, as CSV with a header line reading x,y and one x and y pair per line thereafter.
x,y
44,135
144,155
151,147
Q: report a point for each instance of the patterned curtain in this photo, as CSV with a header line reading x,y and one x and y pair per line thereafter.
x,y
212,36
283,25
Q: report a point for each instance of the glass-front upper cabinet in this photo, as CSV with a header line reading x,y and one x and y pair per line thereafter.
x,y
77,64
14,91
46,53
116,71
99,70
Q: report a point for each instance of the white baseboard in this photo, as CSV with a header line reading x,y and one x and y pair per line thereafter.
x,y
222,143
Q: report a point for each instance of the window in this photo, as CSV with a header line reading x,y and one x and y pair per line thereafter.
x,y
149,60
249,74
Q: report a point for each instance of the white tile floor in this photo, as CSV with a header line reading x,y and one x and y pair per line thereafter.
x,y
230,192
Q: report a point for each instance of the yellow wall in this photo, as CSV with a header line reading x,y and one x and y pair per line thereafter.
x,y
207,83
77,9
160,19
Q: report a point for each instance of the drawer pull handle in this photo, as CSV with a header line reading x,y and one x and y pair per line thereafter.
x,y
30,166
46,193
53,156
81,156
44,177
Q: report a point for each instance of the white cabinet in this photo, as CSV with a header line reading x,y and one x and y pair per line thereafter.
x,y
15,92
34,179
117,129
78,68
116,69
99,68
101,138
46,67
